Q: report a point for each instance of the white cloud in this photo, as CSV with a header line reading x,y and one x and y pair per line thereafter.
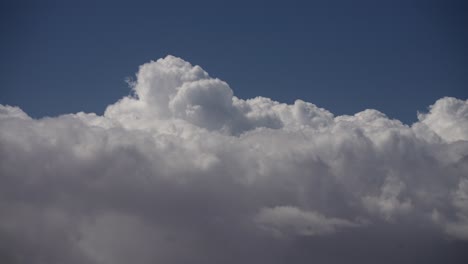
x,y
387,203
287,219
448,117
190,173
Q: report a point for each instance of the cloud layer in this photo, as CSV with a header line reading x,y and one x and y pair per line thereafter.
x,y
183,171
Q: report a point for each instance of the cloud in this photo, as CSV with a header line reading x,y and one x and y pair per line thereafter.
x,y
287,219
183,171
387,203
448,118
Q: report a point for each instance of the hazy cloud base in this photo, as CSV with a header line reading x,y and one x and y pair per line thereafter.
x,y
185,172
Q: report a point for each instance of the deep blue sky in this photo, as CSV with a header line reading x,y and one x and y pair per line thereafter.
x,y
346,56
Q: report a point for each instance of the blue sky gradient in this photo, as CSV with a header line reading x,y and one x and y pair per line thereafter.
x,y
394,56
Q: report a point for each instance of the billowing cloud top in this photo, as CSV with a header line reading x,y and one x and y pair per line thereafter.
x,y
183,171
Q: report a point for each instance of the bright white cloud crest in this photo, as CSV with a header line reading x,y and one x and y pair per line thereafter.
x,y
168,174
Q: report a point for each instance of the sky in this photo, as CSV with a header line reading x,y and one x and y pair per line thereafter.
x,y
233,133
394,56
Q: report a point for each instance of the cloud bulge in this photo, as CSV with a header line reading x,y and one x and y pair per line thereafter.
x,y
182,171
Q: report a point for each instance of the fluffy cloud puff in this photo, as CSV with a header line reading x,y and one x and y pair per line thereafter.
x,y
183,171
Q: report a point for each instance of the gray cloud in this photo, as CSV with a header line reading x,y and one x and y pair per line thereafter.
x,y
185,172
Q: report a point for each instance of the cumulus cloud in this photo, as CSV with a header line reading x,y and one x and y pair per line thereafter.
x,y
448,118
387,203
183,171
